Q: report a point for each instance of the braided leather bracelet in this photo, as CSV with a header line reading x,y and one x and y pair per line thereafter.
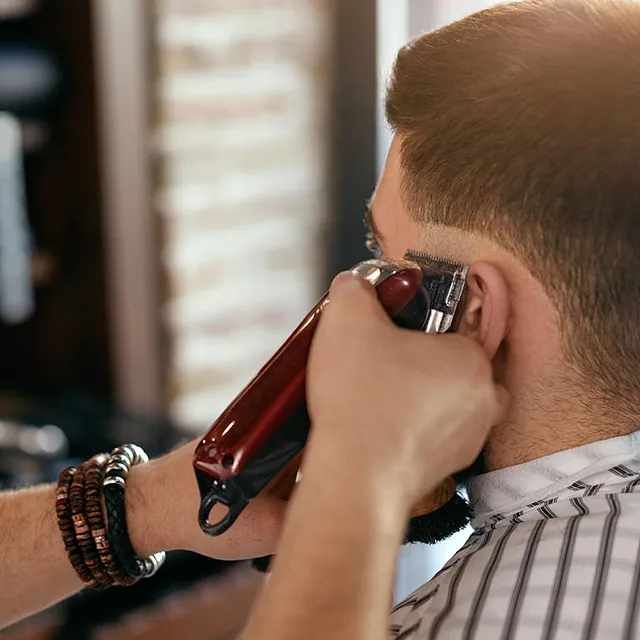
x,y
113,486
93,477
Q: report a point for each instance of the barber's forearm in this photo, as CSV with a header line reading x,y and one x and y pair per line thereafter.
x,y
162,502
33,563
334,573
34,567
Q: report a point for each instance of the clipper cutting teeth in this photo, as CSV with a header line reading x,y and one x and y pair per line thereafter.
x,y
438,263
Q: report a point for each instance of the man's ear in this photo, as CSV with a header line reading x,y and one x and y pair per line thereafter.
x,y
486,313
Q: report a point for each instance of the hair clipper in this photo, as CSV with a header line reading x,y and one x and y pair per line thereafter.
x,y
265,428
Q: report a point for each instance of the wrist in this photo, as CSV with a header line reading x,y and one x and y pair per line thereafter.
x,y
328,512
142,493
157,501
330,477
381,478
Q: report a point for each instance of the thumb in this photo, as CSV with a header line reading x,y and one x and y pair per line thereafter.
x,y
355,296
346,283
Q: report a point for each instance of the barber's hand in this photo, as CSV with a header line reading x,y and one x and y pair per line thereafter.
x,y
393,408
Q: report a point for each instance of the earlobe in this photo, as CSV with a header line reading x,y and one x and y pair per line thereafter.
x,y
486,313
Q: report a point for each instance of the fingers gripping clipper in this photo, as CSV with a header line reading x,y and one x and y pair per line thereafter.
x,y
253,443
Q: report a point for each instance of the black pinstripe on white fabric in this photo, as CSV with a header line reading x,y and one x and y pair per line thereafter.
x,y
453,588
546,511
602,568
631,615
485,583
451,599
562,572
424,599
632,486
578,486
622,471
408,632
522,580
594,489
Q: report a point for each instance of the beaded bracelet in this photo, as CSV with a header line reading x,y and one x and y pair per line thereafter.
x,y
113,487
83,530
67,529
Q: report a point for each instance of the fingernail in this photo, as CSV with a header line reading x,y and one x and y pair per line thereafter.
x,y
347,279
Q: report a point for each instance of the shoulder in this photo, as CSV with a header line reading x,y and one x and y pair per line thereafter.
x,y
477,582
560,576
418,605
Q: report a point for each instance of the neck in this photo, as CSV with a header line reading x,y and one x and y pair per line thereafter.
x,y
547,421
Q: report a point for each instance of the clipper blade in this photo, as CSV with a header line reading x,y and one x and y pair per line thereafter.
x,y
444,282
438,264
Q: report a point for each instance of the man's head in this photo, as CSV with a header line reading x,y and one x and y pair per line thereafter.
x,y
517,151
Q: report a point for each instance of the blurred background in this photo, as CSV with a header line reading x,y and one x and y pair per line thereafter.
x,y
179,180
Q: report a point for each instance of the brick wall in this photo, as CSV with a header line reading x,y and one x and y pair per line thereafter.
x,y
241,136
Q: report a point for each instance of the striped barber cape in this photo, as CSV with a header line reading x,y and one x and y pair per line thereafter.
x,y
555,553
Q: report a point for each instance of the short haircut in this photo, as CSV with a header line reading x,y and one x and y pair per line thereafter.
x,y
522,123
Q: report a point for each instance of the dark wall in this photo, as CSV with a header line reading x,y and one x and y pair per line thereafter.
x,y
66,341
354,170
